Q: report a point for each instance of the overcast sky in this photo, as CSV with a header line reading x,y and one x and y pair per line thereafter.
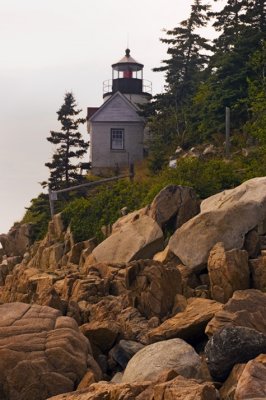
x,y
49,47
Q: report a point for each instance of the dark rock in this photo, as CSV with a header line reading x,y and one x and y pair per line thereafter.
x,y
252,243
176,202
233,345
258,273
101,333
124,351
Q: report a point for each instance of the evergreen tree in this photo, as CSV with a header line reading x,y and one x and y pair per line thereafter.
x,y
256,126
228,21
188,57
241,23
169,113
255,15
69,146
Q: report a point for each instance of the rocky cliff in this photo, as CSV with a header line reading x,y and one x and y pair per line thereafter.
x,y
139,316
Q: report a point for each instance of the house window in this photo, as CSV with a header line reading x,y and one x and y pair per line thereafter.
x,y
117,139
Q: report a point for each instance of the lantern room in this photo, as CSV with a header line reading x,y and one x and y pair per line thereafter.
x,y
127,78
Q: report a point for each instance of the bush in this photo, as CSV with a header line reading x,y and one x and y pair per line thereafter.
x,y
101,206
38,213
86,216
207,177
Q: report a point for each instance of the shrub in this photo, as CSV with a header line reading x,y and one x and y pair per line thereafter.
x,y
86,216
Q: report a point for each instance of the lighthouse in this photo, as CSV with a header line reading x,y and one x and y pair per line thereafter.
x,y
116,129
127,78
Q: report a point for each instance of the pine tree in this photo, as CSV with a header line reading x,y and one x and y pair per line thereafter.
x,y
69,146
256,15
241,24
169,115
256,126
188,53
228,21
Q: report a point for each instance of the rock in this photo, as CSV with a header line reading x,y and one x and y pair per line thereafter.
x,y
94,367
232,345
165,256
56,228
129,218
262,240
137,240
150,362
180,304
48,256
192,153
17,241
209,150
117,378
2,254
88,246
92,375
178,150
174,201
41,353
178,388
89,288
113,276
124,351
152,287
87,380
246,308
189,324
262,227
258,273
227,391
225,217
185,389
75,253
252,382
165,376
133,325
190,280
6,267
29,285
172,162
101,333
106,391
228,272
252,243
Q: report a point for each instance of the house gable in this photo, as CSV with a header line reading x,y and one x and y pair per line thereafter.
x,y
117,108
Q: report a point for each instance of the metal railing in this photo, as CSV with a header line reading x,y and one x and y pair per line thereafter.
x,y
53,194
108,86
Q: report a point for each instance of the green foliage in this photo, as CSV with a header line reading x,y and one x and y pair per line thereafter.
x,y
102,205
169,122
38,214
256,126
86,216
201,85
207,177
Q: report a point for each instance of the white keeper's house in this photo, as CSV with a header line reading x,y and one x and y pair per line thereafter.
x,y
116,129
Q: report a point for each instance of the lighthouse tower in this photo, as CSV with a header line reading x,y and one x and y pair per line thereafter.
x,y
127,78
116,129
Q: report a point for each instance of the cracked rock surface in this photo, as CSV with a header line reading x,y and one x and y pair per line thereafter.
x,y
41,353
